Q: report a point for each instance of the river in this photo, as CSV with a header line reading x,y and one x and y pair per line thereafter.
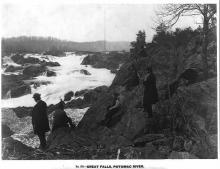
x,y
68,78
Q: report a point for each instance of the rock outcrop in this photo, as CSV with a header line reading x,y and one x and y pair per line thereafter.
x,y
20,91
14,83
11,68
20,59
109,61
34,70
85,72
50,73
6,131
68,96
15,150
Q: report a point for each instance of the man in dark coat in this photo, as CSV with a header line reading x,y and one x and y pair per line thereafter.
x,y
40,120
60,119
150,92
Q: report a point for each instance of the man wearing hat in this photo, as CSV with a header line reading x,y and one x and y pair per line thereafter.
x,y
40,120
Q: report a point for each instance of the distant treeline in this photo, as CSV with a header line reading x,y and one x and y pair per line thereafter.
x,y
41,44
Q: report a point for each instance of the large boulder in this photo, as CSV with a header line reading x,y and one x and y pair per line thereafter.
x,y
92,95
17,57
20,91
6,131
50,73
11,68
130,121
37,84
109,61
68,96
81,92
20,59
22,111
9,82
15,150
77,103
51,64
85,72
34,70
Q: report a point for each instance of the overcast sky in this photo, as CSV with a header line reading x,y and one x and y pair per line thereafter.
x,y
82,22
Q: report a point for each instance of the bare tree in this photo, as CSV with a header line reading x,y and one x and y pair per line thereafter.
x,y
170,14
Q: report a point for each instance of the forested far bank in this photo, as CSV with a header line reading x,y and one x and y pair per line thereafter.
x,y
25,44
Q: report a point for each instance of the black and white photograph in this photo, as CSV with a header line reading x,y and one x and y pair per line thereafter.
x,y
109,81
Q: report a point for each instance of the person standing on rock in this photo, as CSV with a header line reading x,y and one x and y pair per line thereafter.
x,y
150,92
40,120
60,119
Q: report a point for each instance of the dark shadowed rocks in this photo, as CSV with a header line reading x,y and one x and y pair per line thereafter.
x,y
22,111
20,59
20,91
11,68
51,64
37,84
133,123
77,103
6,131
130,121
109,61
13,82
85,72
81,92
89,97
15,150
92,95
34,70
68,96
50,73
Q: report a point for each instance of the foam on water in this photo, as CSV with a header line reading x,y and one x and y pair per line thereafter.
x,y
68,78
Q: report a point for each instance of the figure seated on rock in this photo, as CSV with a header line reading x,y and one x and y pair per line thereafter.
x,y
60,119
113,111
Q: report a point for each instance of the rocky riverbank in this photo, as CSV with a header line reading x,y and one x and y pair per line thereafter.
x,y
184,123
183,127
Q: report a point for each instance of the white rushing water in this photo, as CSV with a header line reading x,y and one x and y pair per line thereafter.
x,y
68,78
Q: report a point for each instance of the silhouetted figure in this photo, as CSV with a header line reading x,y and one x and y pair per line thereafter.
x,y
40,120
60,119
150,92
111,118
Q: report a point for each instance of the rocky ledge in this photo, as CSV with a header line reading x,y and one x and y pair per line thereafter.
x,y
111,60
